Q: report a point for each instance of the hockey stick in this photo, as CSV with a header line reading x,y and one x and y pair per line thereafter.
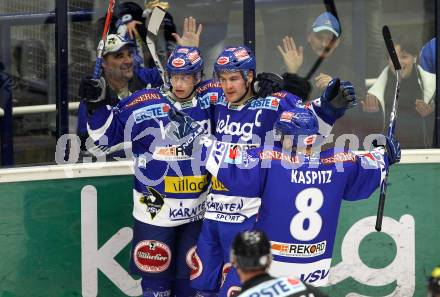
x,y
153,27
393,55
100,50
331,8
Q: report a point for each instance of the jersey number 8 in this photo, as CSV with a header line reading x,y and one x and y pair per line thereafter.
x,y
307,202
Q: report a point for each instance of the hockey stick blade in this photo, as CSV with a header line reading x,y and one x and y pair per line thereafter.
x,y
393,56
156,19
390,47
153,27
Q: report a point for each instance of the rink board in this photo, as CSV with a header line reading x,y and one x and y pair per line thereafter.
x,y
51,232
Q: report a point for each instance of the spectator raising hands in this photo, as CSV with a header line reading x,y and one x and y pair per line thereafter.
x,y
191,33
293,56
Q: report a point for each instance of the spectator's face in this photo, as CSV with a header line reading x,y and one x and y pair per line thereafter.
x,y
119,65
320,40
406,60
183,85
234,86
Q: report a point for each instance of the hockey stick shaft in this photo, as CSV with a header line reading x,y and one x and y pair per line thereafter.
x,y
393,116
156,19
100,50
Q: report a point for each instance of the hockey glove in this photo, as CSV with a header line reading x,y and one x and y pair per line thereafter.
x,y
92,90
337,97
93,93
184,130
267,83
392,148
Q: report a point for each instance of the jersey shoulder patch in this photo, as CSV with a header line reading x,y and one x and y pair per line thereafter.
x,y
332,156
143,97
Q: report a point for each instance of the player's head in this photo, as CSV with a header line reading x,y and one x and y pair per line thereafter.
x,y
324,37
296,127
184,67
251,251
235,69
434,283
117,61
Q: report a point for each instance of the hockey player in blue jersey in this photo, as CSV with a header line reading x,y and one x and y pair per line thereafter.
x,y
169,194
242,121
301,190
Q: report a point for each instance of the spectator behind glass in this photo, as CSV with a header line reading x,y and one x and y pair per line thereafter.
x,y
415,112
322,42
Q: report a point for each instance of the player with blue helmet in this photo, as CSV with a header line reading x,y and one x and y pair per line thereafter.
x,y
311,180
243,120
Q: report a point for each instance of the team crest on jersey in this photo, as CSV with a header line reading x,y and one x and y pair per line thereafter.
x,y
270,102
223,60
152,111
153,200
194,263
152,256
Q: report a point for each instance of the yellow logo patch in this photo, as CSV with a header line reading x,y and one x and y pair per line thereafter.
x,y
185,184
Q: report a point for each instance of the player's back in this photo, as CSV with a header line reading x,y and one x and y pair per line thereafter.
x,y
301,201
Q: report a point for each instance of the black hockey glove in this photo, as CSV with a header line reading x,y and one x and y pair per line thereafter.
x,y
337,97
93,92
392,148
267,83
184,130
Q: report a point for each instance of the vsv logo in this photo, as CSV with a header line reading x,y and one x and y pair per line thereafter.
x,y
314,276
244,130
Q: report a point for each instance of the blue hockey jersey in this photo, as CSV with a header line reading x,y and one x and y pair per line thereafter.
x,y
168,191
300,199
238,128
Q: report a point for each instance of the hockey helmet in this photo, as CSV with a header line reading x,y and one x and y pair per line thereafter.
x,y
251,250
185,60
298,122
235,59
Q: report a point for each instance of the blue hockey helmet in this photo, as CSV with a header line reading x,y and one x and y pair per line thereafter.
x,y
185,60
298,122
235,59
